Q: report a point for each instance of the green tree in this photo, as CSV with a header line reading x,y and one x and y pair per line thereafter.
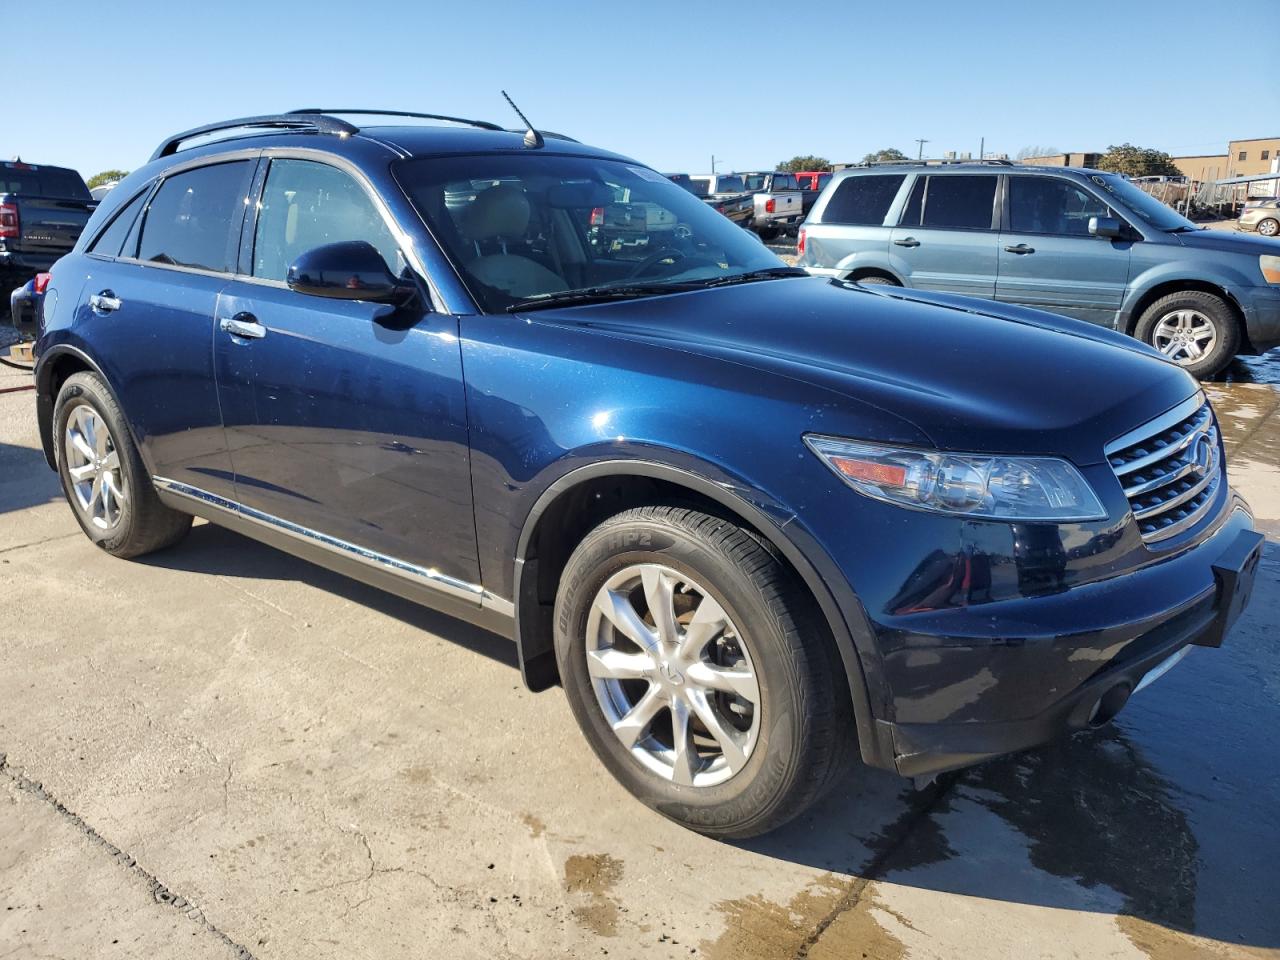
x,y
1138,162
889,154
796,164
106,176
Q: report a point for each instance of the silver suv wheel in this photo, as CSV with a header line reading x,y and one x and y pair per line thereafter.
x,y
93,463
672,675
1185,336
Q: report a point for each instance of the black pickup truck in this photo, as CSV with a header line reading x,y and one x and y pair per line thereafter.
x,y
42,211
726,194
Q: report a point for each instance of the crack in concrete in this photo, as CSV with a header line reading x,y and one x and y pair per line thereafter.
x,y
875,869
161,893
36,543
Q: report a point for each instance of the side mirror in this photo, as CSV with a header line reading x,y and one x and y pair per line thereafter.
x,y
351,270
1105,227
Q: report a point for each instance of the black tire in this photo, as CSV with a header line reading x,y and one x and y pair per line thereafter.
x,y
1269,227
1215,309
877,281
144,524
806,736
767,234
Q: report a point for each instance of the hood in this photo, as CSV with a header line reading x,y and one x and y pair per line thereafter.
x,y
1229,242
971,375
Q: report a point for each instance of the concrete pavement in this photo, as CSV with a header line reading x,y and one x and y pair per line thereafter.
x,y
221,751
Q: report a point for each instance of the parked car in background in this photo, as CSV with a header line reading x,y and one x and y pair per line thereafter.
x,y
102,189
778,202
1262,216
726,194
813,181
752,522
42,211
1078,242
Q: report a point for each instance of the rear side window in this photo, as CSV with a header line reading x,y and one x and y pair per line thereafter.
x,y
194,218
863,200
111,240
952,202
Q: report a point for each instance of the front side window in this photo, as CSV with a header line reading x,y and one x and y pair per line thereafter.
x,y
863,200
1050,205
194,218
1142,204
111,240
305,205
538,225
959,202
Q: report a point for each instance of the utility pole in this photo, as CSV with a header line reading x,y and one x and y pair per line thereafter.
x,y
713,164
920,152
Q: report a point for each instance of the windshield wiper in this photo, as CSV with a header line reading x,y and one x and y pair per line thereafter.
x,y
628,291
768,273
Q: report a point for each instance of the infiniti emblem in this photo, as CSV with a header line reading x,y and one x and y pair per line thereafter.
x,y
1202,455
673,675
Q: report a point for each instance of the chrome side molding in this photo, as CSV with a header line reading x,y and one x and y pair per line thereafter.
x,y
427,576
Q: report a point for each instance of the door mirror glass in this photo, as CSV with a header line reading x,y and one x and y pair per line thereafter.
x,y
349,270
1105,227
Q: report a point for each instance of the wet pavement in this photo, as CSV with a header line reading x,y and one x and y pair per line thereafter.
x,y
221,751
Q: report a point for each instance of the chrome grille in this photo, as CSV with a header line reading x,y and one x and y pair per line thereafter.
x,y
1170,468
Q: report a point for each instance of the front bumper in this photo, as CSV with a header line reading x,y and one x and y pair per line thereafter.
x,y
960,699
1261,307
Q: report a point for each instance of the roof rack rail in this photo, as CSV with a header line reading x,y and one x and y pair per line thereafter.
x,y
298,120
933,162
482,124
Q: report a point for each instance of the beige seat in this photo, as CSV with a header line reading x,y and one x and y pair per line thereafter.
x,y
500,214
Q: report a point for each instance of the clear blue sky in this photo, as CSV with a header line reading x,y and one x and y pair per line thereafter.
x,y
668,83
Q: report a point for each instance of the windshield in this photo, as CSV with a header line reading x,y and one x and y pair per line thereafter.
x,y
1142,204
531,225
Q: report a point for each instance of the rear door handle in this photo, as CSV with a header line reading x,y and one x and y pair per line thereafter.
x,y
105,302
908,242
244,325
1020,249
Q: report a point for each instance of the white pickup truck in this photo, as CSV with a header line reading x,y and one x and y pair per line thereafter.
x,y
779,202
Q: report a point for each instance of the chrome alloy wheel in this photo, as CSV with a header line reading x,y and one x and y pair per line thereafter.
x,y
93,463
1185,335
673,675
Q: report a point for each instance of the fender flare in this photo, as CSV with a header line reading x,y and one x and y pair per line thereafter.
x,y
876,748
45,398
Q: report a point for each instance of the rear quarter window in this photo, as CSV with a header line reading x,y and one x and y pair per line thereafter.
x,y
863,201
111,240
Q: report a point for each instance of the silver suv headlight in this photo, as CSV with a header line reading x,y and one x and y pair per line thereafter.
x,y
964,484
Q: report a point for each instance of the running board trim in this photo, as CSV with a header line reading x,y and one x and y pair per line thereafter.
x,y
427,576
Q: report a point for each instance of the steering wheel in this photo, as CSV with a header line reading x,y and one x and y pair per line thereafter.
x,y
668,253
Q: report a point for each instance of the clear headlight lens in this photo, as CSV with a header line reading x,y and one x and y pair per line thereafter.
x,y
971,485
1270,268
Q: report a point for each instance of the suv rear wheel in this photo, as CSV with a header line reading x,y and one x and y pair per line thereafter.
x,y
1197,330
102,475
699,672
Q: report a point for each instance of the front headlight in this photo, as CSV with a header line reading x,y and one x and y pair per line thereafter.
x,y
1270,268
971,485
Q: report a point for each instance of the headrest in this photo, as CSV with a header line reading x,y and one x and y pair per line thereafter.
x,y
497,213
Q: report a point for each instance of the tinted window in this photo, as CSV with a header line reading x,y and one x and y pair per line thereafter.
x,y
959,202
863,200
306,205
699,186
194,218
1049,205
42,182
111,239
753,181
730,185
785,183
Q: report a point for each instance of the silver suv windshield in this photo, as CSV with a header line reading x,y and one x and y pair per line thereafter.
x,y
525,227
1142,204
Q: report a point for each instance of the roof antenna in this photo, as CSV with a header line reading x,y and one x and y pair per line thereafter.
x,y
532,138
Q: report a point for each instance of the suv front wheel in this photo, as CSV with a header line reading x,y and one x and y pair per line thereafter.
x,y
1197,330
699,671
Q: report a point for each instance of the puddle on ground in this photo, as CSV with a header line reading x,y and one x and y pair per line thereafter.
x,y
593,877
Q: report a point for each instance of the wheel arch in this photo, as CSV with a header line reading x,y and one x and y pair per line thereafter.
x,y
55,365
579,500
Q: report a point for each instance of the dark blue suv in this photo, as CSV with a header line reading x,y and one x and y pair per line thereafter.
x,y
750,520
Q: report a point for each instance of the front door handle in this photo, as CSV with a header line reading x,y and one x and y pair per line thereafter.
x,y
244,325
1020,249
105,302
908,242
